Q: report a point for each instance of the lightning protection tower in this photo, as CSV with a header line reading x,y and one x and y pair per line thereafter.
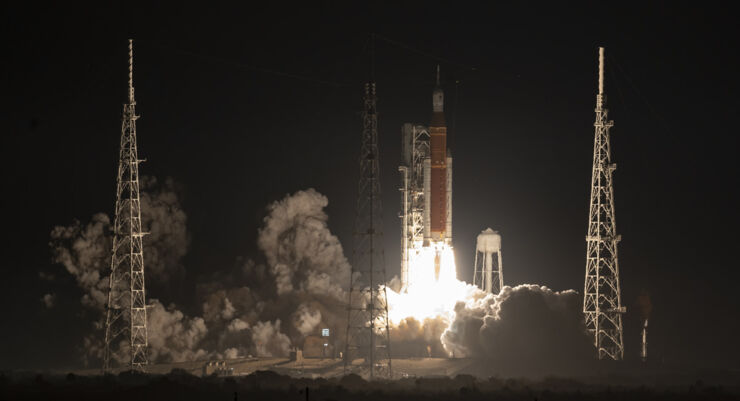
x,y
368,334
125,322
488,274
602,303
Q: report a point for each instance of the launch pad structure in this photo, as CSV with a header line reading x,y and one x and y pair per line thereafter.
x,y
426,214
426,187
602,300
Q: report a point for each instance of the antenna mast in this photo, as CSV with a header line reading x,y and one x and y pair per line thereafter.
x,y
368,331
126,321
602,302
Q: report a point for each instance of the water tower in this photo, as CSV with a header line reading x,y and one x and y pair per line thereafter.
x,y
488,274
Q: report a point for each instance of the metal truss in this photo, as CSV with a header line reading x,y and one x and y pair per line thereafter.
x,y
368,333
125,323
413,203
602,304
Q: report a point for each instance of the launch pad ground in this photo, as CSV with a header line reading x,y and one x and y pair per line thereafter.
x,y
438,370
309,367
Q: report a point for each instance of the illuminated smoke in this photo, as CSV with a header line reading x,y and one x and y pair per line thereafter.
x,y
257,309
174,336
524,329
84,250
165,221
268,339
420,315
265,309
306,319
300,250
429,296
520,330
413,338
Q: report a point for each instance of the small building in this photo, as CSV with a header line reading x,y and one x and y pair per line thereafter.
x,y
218,368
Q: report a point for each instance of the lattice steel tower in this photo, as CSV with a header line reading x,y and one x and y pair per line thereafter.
x,y
368,333
602,302
125,322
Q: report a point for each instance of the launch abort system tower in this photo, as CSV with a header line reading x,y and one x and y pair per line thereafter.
x,y
125,320
368,333
602,302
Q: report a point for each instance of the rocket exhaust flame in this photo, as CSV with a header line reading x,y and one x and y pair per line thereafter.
x,y
433,287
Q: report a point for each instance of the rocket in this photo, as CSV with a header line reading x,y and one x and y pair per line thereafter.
x,y
439,182
440,164
427,196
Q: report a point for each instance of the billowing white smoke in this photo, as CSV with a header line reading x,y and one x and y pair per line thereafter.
x,y
268,339
84,251
306,319
301,251
265,311
166,223
299,291
412,337
174,336
527,329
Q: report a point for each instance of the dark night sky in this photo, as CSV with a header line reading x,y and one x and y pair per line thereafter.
x,y
221,118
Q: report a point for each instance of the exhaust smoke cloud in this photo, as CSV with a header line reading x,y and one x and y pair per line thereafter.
x,y
266,309
255,309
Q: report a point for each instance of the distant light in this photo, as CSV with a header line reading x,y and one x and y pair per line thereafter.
x,y
324,332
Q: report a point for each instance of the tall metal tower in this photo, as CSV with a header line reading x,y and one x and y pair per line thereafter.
x,y
368,333
125,322
488,274
602,303
414,228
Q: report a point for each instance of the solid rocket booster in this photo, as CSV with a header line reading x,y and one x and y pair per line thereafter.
x,y
438,205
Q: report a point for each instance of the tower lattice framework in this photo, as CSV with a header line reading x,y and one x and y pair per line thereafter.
x,y
126,322
602,303
368,349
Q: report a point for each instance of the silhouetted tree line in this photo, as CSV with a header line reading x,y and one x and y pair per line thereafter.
x,y
267,385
